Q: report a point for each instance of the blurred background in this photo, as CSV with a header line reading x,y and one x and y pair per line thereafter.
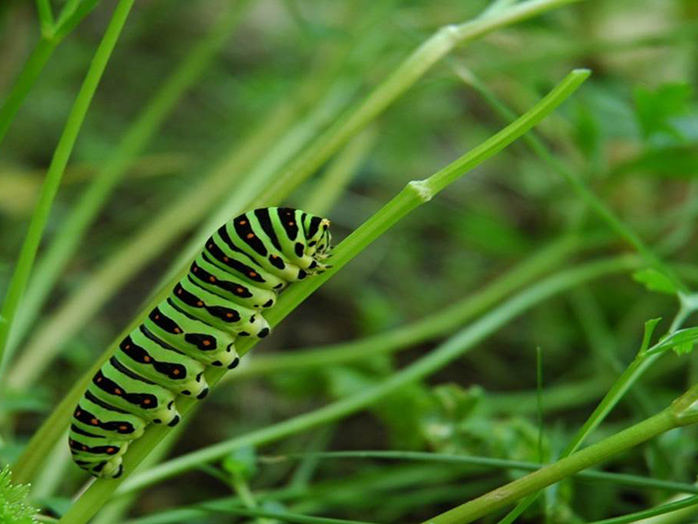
x,y
254,84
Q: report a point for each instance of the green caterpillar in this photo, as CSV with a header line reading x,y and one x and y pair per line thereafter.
x,y
243,267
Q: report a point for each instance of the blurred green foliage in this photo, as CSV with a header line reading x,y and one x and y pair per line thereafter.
x,y
631,134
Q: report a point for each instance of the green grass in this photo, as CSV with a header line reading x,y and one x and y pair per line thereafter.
x,y
494,340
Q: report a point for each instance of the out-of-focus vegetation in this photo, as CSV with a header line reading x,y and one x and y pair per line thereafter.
x,y
539,270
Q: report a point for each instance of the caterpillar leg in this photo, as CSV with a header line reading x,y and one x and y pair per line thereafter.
x,y
97,455
105,469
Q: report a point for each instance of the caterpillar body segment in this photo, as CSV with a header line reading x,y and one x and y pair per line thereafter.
x,y
161,363
233,288
242,268
217,311
198,340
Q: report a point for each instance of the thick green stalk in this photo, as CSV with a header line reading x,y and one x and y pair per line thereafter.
x,y
412,196
136,138
505,495
682,412
453,348
55,172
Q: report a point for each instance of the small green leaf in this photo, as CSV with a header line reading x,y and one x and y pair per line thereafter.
x,y
683,349
681,342
655,281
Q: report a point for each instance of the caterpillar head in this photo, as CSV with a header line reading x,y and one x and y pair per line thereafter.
x,y
318,237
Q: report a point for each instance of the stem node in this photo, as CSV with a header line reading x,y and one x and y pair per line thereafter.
x,y
421,189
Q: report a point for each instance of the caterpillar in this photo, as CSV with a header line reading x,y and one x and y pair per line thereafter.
x,y
244,265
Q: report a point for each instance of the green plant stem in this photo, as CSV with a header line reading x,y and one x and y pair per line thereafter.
x,y
55,172
71,15
624,382
52,34
682,412
69,9
445,321
43,8
632,373
406,75
534,482
26,79
664,421
412,196
641,363
688,502
453,348
637,481
242,490
539,403
82,215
